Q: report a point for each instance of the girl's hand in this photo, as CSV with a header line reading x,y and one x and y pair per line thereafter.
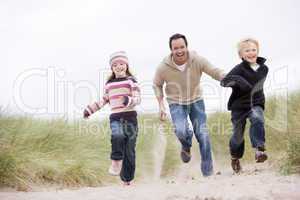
x,y
125,100
86,114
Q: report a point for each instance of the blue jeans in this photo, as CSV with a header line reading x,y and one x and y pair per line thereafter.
x,y
196,113
123,142
257,130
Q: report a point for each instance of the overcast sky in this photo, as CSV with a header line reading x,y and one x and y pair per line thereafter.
x,y
54,54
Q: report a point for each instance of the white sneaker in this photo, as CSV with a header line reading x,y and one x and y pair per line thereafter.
x,y
115,167
113,171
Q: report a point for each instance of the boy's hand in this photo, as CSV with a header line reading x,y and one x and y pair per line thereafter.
x,y
86,114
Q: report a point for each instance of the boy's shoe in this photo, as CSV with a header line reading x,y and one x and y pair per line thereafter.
x,y
185,155
115,167
236,165
260,156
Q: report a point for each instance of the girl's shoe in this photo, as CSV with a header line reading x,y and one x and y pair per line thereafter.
x,y
126,183
236,165
115,167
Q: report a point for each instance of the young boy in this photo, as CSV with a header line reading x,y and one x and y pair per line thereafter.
x,y
247,101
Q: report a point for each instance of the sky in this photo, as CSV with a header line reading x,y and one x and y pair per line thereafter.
x,y
54,54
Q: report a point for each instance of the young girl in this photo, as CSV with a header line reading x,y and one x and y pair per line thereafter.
x,y
247,101
123,94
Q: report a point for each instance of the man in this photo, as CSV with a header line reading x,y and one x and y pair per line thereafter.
x,y
181,71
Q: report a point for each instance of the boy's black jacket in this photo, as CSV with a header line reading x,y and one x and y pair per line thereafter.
x,y
247,85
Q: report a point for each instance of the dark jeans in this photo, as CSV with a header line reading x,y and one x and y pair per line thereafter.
x,y
257,130
123,142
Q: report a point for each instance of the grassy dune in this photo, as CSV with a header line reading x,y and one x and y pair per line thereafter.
x,y
41,152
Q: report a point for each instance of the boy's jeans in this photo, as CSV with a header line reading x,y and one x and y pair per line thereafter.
x,y
196,113
123,142
257,130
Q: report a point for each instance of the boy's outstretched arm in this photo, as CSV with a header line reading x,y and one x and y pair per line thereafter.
x,y
235,79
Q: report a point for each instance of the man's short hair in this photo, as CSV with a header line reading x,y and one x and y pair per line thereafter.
x,y
175,37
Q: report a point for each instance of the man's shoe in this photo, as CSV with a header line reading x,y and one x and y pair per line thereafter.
x,y
185,155
260,156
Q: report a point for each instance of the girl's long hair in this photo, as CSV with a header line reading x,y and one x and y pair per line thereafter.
x,y
113,76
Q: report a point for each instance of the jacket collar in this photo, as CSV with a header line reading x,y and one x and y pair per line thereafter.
x,y
260,61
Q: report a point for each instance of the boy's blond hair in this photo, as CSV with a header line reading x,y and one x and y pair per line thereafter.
x,y
241,44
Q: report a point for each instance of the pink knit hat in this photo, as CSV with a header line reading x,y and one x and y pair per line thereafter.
x,y
119,56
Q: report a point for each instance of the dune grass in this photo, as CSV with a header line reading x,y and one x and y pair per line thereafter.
x,y
37,152
34,151
291,162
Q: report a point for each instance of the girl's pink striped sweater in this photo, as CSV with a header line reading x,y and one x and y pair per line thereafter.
x,y
123,94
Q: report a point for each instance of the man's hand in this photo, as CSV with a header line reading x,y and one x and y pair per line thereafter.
x,y
162,112
223,76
